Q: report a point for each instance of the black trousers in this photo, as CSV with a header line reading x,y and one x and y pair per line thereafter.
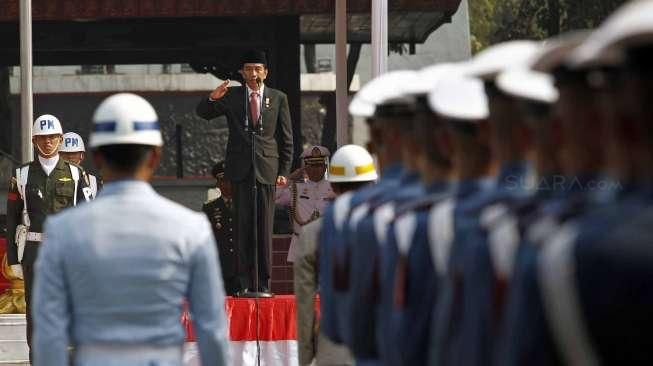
x,y
28,278
244,217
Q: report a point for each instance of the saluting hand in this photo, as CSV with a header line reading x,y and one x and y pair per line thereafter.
x,y
220,91
297,174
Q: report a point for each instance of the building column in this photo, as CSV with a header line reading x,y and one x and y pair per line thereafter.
x,y
286,74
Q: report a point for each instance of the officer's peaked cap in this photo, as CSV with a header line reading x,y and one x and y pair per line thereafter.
x,y
527,84
460,97
427,78
558,51
488,63
315,154
630,26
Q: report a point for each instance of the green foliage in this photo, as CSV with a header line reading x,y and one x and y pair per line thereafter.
x,y
493,21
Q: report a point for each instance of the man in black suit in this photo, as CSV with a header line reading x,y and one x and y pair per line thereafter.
x,y
254,106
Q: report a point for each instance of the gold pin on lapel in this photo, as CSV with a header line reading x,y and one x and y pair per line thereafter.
x,y
65,179
267,102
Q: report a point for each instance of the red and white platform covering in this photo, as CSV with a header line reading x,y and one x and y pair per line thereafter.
x,y
277,332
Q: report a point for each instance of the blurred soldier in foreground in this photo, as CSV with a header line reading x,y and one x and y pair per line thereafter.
x,y
114,287
331,240
74,151
307,198
371,212
464,114
220,212
483,276
38,189
311,342
406,265
596,273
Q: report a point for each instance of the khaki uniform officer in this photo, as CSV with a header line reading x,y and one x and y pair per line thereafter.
x,y
306,199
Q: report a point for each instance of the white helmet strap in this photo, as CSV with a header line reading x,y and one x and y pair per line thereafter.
x,y
53,151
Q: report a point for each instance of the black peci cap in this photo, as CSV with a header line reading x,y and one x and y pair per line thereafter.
x,y
254,57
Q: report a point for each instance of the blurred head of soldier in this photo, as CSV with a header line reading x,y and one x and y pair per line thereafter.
x,y
389,115
536,94
462,105
72,149
126,139
223,184
429,129
583,136
315,162
253,68
351,168
47,135
509,137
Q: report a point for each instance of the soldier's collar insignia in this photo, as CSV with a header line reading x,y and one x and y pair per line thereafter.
x,y
65,179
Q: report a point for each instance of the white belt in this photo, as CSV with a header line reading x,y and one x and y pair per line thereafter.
x,y
129,352
32,236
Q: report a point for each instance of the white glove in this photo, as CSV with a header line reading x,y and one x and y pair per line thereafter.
x,y
17,269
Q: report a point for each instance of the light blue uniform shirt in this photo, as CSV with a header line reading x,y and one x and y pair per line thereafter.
x,y
115,271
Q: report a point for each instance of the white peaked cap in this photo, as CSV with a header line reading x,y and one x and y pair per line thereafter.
x,y
556,51
385,88
428,77
629,26
460,97
528,84
360,108
490,62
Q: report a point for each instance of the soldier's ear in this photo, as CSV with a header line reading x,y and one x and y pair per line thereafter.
x,y
154,158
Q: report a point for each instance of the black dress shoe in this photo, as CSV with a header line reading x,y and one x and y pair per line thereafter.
x,y
264,288
255,294
241,292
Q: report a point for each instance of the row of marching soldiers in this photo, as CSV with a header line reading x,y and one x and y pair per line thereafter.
x,y
511,223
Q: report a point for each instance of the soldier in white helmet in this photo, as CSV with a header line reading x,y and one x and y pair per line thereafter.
x,y
37,189
114,287
307,197
74,151
346,175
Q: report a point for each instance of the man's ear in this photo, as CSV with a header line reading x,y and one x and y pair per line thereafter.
x,y
154,158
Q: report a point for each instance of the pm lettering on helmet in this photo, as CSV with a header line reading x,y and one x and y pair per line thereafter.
x,y
47,122
71,142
